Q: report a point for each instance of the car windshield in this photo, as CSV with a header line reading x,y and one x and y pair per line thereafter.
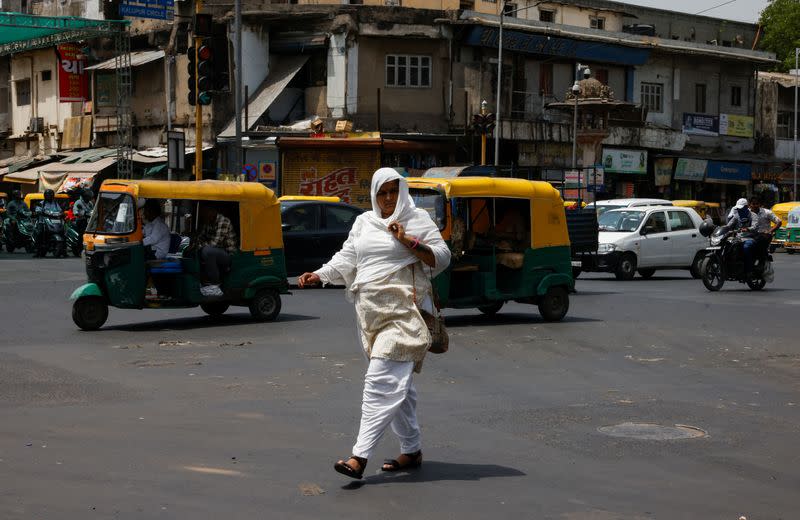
x,y
432,202
114,213
620,220
602,208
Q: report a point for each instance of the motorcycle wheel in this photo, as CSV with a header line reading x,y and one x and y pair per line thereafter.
x,y
712,274
29,248
756,284
77,250
10,247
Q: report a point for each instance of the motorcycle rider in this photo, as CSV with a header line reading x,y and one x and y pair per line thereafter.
x,y
49,206
82,209
758,225
17,207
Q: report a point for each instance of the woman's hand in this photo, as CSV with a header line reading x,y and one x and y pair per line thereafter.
x,y
308,280
399,232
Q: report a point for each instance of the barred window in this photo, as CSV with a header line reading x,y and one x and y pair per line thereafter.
x,y
408,70
785,129
653,97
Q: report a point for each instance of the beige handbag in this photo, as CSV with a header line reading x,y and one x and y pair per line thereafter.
x,y
440,340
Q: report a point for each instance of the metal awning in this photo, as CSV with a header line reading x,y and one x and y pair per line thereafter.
x,y
24,32
285,68
137,58
54,174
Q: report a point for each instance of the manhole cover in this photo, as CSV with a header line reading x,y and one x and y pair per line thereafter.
x,y
652,432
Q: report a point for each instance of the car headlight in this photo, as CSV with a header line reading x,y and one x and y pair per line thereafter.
x,y
606,248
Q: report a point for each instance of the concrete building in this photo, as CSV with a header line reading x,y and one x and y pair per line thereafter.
x,y
775,131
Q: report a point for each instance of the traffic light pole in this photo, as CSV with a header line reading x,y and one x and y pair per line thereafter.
x,y
198,108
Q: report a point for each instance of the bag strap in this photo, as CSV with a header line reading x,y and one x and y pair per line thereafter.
x,y
414,281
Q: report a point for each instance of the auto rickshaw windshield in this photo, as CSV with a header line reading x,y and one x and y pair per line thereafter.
x,y
114,214
432,202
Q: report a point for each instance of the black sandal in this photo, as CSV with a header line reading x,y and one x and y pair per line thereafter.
x,y
394,464
346,469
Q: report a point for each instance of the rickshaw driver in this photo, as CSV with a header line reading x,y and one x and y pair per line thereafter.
x,y
214,242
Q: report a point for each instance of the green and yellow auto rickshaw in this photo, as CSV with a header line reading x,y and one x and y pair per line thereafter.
x,y
509,242
781,211
792,243
120,276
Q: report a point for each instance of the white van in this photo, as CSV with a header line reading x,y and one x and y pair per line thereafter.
x,y
604,205
647,238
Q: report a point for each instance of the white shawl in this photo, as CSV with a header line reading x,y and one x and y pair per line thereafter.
x,y
371,253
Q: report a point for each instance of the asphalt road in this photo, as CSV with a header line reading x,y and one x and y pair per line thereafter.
x,y
168,414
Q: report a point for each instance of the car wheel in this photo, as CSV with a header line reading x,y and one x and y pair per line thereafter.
x,y
626,269
553,306
89,312
214,308
695,268
491,309
647,273
265,305
712,274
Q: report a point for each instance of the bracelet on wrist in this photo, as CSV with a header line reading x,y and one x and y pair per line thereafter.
x,y
414,244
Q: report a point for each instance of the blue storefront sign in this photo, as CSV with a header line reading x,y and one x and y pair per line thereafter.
x,y
555,46
156,9
722,172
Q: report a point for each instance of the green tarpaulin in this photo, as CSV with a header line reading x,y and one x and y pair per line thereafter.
x,y
24,32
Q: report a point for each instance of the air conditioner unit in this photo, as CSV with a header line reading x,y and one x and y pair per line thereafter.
x,y
36,125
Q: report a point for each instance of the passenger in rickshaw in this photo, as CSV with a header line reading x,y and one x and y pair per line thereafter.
x,y
215,241
156,235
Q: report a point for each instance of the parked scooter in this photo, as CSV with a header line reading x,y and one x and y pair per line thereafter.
x,y
51,234
18,233
74,237
724,260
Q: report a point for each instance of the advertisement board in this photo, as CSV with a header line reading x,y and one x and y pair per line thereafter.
x,y
625,161
155,9
736,125
690,169
700,124
73,83
662,168
723,172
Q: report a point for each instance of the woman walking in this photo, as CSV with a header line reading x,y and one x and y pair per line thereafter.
x,y
387,264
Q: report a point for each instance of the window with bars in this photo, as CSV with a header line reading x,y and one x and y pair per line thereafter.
x,y
23,91
547,15
785,128
404,70
597,22
653,97
736,96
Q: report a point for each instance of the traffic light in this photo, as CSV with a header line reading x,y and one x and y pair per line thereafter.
x,y
205,73
192,69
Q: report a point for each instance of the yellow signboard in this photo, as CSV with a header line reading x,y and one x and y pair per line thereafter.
x,y
736,125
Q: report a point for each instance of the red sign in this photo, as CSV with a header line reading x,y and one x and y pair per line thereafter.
x,y
338,183
73,84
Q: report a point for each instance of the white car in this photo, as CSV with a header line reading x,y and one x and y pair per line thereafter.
x,y
605,205
649,238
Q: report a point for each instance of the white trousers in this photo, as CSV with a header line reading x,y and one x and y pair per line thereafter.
x,y
389,399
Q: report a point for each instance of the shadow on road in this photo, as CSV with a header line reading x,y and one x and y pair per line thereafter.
x,y
507,319
203,322
434,471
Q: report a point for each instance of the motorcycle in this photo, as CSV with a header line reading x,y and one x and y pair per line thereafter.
x,y
74,236
18,233
51,236
724,260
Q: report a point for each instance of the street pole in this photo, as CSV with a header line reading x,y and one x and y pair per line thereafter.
x,y
575,90
198,109
794,147
483,136
238,87
498,125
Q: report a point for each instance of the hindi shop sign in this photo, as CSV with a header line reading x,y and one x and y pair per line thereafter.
x,y
625,161
700,124
155,9
73,85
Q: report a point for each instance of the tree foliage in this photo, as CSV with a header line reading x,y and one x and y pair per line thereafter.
x,y
780,22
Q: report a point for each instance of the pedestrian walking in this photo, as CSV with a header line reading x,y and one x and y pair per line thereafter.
x,y
387,264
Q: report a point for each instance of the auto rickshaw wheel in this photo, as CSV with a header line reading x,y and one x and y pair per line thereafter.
x,y
89,312
790,251
214,308
491,309
265,305
553,306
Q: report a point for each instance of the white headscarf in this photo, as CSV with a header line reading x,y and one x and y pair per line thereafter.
x,y
371,252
